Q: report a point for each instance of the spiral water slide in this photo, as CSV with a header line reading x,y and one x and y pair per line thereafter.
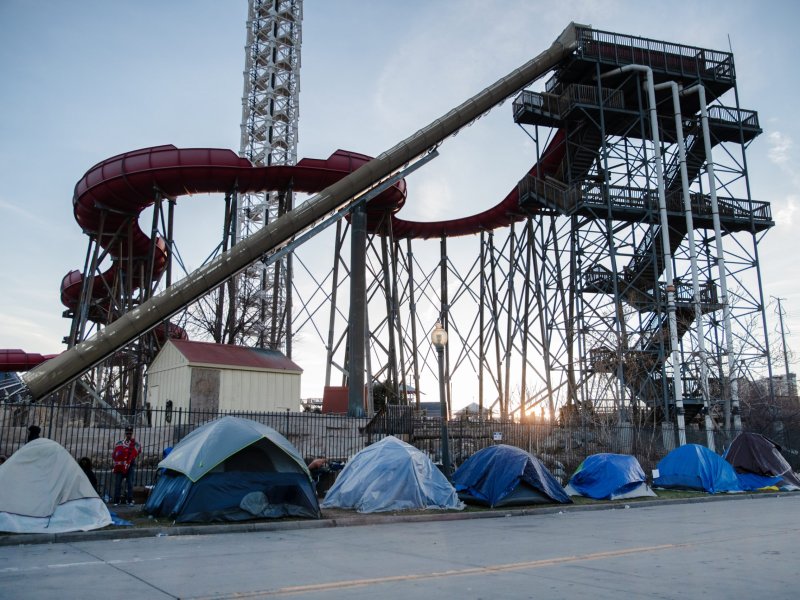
x,y
192,171
121,186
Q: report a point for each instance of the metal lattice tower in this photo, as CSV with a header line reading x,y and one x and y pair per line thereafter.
x,y
270,111
664,284
568,310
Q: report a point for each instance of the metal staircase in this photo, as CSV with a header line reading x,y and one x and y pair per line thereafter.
x,y
606,126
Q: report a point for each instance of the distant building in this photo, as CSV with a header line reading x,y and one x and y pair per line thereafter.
x,y
430,409
473,410
434,409
212,378
312,405
783,387
786,386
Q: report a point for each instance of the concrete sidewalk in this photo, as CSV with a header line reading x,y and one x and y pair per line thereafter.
x,y
346,518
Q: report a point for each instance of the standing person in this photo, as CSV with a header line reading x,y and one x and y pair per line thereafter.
x,y
317,467
86,464
33,433
125,452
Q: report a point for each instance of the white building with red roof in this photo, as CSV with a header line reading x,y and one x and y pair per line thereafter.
x,y
214,378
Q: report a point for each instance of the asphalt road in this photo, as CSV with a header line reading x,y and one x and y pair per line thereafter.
x,y
742,548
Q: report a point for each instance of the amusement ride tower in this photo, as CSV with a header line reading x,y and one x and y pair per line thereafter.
x,y
270,110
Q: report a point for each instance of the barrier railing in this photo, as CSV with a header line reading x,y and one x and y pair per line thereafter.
x,y
84,431
661,56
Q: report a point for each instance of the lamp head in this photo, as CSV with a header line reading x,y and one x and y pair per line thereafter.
x,y
439,336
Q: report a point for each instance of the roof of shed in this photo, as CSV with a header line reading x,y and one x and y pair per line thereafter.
x,y
234,356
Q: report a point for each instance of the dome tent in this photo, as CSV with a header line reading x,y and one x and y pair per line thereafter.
x,y
759,463
695,467
504,475
44,490
233,469
607,476
391,475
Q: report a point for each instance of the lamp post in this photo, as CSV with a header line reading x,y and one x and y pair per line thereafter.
x,y
439,341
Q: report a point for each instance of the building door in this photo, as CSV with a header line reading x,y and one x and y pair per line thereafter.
x,y
203,395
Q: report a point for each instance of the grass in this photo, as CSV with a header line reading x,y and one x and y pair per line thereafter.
x,y
141,520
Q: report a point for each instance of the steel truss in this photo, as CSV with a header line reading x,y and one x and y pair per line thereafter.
x,y
568,309
565,311
105,294
101,294
269,136
503,329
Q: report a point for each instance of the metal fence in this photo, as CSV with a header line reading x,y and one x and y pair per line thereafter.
x,y
93,432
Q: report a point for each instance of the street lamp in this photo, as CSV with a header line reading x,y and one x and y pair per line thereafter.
x,y
439,341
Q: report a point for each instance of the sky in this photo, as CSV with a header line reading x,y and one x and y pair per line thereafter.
x,y
87,79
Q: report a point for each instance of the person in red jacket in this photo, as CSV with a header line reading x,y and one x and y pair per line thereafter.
x,y
124,457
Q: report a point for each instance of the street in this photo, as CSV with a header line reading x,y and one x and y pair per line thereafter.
x,y
742,548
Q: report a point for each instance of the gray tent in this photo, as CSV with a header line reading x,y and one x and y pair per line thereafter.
x,y
233,469
44,490
391,475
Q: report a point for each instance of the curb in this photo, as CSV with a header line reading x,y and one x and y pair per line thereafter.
x,y
376,519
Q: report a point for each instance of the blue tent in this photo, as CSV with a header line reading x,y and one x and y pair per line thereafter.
x,y
609,477
694,467
504,475
391,475
750,481
233,469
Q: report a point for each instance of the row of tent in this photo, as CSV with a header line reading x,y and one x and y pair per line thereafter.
x,y
393,475
234,469
752,462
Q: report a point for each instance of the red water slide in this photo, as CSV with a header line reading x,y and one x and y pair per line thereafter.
x,y
18,360
112,190
502,214
123,185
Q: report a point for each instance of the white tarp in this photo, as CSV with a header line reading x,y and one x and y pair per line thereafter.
x,y
391,475
44,490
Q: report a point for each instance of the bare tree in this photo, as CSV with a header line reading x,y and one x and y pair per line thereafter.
x,y
231,314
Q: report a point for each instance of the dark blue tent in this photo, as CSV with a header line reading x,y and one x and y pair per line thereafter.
x,y
609,477
694,467
233,469
507,476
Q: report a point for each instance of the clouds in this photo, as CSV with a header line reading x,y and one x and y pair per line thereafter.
x,y
10,208
784,215
785,202
780,148
434,200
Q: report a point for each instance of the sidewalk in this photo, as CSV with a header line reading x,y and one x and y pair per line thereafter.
x,y
343,518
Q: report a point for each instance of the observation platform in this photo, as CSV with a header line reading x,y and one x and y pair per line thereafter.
x,y
600,280
622,118
599,52
590,107
591,199
574,86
